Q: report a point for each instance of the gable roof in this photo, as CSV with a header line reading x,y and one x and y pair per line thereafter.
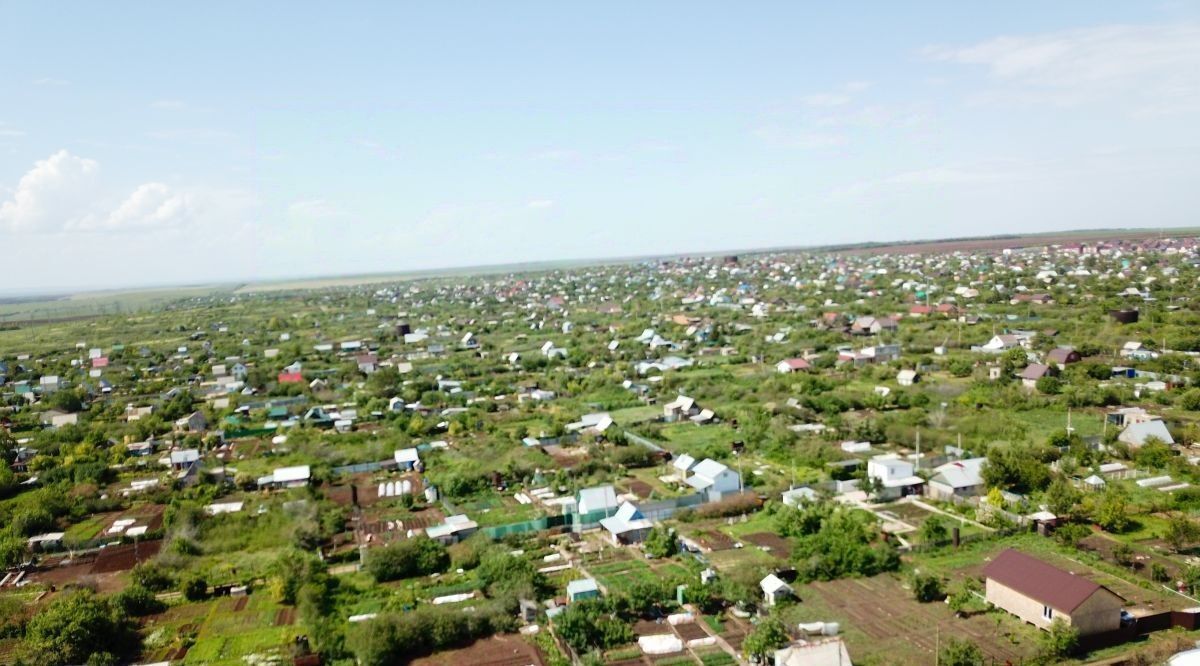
x,y
1040,581
1138,433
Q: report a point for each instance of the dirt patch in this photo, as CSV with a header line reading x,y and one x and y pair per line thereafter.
x,y
640,488
285,617
713,540
240,604
777,545
690,631
503,650
123,558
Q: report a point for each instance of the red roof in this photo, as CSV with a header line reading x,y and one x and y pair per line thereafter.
x,y
796,363
101,362
291,378
1042,582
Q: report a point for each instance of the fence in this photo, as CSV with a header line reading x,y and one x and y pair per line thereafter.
x,y
535,525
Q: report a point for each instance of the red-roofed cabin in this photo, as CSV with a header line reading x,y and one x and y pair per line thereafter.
x,y
291,378
1040,593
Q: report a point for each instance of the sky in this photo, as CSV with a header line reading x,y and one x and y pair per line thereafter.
x,y
179,143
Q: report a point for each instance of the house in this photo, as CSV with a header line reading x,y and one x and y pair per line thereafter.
x,y
798,496
181,460
1035,371
961,478
452,530
907,377
792,365
1127,416
1001,343
194,422
895,476
1039,593
583,588
872,325
408,459
828,652
56,419
595,423
1062,357
714,480
775,590
367,363
596,500
290,378
680,408
627,526
1136,434
287,477
1137,351
683,464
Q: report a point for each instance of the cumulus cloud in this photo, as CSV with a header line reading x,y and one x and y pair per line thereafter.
x,y
1153,68
58,191
152,205
63,193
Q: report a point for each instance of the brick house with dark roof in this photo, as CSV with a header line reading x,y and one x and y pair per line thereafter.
x,y
1040,593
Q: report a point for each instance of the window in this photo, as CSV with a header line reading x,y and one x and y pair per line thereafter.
x,y
1048,612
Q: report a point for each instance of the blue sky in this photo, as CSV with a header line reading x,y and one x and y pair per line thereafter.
x,y
160,143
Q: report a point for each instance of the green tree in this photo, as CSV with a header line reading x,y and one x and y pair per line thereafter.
x,y
1059,642
957,652
934,530
1181,532
1112,512
403,559
661,542
194,587
79,627
1062,498
766,637
928,587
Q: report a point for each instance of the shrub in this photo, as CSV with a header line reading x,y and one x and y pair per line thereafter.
x,y
403,559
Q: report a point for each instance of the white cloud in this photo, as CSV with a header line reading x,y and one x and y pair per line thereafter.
x,y
540,203
152,205
63,193
58,191
315,209
1152,68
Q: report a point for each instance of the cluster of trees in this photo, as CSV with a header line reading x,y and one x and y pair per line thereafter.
x,y
834,542
81,628
396,638
410,557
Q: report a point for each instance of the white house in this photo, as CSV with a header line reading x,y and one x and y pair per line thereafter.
x,y
774,589
683,464
906,377
287,477
628,525
895,476
962,478
1136,434
407,458
714,480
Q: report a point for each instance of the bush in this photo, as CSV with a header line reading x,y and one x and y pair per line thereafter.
x,y
194,588
80,628
396,639
927,588
403,559
137,601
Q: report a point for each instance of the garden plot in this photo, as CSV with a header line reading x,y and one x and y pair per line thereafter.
x,y
880,619
502,650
